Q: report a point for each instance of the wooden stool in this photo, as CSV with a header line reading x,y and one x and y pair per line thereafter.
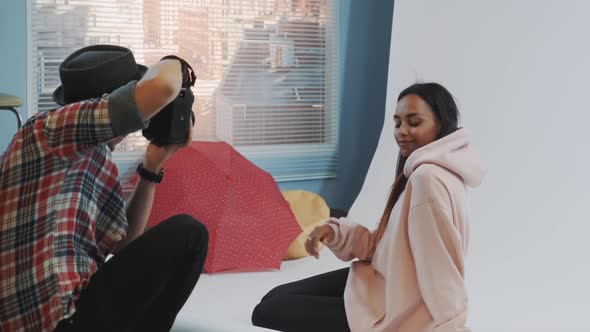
x,y
8,103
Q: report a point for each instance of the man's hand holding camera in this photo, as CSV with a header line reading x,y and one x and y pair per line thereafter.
x,y
156,155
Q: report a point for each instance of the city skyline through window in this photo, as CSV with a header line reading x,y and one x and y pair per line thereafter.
x,y
266,73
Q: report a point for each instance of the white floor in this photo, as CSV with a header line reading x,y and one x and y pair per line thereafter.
x,y
224,302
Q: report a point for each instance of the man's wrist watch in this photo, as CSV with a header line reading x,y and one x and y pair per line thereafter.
x,y
149,176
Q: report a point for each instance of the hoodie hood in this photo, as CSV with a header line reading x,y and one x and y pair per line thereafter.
x,y
452,152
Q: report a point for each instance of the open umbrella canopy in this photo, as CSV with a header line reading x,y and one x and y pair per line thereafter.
x,y
250,224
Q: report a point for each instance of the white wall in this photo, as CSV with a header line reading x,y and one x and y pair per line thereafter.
x,y
520,71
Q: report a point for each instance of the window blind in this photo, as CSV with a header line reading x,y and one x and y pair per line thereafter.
x,y
266,70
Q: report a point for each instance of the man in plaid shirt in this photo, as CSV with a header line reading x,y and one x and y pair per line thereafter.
x,y
62,210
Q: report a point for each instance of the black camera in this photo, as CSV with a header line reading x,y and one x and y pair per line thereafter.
x,y
173,123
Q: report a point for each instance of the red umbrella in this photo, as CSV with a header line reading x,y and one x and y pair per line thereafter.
x,y
250,224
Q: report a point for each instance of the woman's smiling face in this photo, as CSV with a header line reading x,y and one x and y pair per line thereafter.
x,y
415,124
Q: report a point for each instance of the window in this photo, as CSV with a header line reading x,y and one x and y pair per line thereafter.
x,y
267,78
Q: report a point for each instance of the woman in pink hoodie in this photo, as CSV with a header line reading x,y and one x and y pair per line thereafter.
x,y
408,274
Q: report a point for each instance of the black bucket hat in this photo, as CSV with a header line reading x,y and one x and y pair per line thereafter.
x,y
95,70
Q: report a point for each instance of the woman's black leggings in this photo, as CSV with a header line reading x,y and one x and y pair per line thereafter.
x,y
308,305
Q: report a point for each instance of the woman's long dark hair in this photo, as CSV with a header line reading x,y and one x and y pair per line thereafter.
x,y
445,109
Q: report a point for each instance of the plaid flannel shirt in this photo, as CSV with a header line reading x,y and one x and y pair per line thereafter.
x,y
61,208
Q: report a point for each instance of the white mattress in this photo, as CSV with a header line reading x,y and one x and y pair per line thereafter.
x,y
224,302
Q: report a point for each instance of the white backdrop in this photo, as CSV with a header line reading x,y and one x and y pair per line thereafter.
x,y
520,71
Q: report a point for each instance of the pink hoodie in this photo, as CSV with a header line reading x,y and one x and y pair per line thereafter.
x,y
413,281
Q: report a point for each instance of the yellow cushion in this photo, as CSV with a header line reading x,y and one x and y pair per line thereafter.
x,y
311,210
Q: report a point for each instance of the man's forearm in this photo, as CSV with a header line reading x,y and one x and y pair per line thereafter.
x,y
158,87
139,208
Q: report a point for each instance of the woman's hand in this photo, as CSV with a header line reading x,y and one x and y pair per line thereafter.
x,y
324,234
